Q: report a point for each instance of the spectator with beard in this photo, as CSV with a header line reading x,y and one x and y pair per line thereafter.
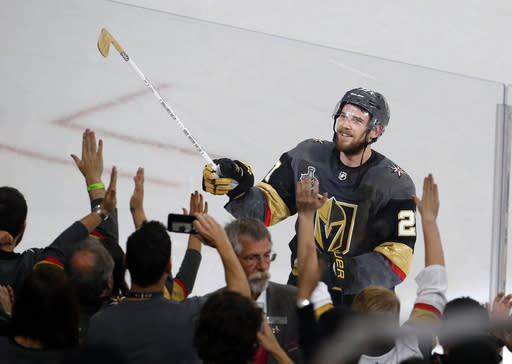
x,y
252,244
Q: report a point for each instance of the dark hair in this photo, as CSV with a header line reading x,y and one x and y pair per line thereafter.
x,y
46,308
473,344
251,227
415,361
148,251
464,310
475,349
13,210
226,329
465,306
120,287
91,280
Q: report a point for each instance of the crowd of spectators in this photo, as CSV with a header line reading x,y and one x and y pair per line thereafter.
x,y
70,302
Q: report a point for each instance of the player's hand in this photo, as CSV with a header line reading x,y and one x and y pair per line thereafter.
x,y
91,164
229,170
429,203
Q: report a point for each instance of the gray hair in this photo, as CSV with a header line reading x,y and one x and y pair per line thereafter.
x,y
90,282
248,226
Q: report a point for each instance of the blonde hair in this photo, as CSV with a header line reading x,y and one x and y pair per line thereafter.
x,y
377,299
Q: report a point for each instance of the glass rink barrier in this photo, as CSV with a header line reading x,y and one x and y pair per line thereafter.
x,y
242,95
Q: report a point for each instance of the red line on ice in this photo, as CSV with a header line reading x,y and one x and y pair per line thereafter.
x,y
69,162
70,122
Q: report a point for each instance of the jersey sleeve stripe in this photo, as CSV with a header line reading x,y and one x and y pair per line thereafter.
x,y
399,256
268,212
427,308
397,270
49,260
276,208
180,284
97,235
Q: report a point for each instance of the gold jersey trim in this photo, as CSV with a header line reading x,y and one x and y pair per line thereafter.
x,y
323,309
44,262
177,293
278,209
398,253
167,294
420,315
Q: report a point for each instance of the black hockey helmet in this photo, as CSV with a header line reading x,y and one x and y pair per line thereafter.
x,y
369,100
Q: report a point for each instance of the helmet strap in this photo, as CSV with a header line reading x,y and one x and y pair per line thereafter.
x,y
360,172
366,143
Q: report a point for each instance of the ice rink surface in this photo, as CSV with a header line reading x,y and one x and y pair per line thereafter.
x,y
243,95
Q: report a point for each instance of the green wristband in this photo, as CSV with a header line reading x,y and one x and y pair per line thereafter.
x,y
95,186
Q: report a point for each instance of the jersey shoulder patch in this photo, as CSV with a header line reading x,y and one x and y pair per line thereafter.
x,y
319,141
396,170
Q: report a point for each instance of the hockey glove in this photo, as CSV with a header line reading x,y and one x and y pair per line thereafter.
x,y
338,274
229,170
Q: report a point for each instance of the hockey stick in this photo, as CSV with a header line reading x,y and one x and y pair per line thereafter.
x,y
104,45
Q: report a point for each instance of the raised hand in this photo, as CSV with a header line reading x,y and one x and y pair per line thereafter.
x,y
91,164
137,199
110,200
429,203
429,208
210,231
197,204
6,298
500,311
307,198
108,204
309,269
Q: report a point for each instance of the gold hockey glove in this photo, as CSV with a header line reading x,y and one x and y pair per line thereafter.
x,y
230,170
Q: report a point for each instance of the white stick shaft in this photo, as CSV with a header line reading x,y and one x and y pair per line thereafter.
x,y
172,114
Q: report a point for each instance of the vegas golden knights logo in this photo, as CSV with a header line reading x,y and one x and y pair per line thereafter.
x,y
334,224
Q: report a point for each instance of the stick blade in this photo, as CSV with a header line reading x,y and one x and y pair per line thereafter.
x,y
104,42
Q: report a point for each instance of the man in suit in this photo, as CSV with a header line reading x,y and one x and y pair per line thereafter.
x,y
252,244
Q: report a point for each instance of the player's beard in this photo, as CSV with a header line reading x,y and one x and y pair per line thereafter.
x,y
352,148
258,282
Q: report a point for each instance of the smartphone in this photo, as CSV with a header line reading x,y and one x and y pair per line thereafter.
x,y
178,223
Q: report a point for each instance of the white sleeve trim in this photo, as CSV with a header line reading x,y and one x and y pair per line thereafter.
x,y
432,284
320,296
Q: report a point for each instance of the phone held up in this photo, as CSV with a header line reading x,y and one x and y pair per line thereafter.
x,y
178,223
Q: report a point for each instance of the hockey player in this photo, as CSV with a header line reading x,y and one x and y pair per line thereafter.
x,y
367,228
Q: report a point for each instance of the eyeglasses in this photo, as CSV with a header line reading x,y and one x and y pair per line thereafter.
x,y
252,260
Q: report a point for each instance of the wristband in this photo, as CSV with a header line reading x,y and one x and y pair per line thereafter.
x,y
95,186
97,209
